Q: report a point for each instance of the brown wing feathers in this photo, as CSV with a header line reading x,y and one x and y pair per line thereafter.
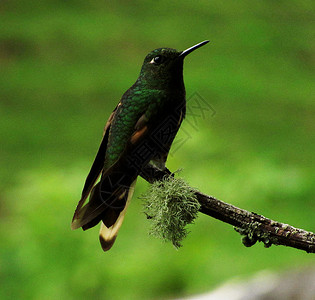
x,y
110,197
94,173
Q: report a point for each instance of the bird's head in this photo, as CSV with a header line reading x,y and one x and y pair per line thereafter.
x,y
163,67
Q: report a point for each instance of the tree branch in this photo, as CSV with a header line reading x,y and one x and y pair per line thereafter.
x,y
252,226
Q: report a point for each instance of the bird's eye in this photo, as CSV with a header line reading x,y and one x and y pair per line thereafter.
x,y
157,60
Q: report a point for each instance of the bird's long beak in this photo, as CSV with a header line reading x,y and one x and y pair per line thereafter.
x,y
191,49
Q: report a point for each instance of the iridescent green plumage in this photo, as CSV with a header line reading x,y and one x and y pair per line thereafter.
x,y
134,103
140,130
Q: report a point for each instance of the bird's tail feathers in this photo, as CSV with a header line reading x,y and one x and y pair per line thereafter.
x,y
107,200
107,233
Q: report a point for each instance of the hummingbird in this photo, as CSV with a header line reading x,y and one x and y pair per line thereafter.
x,y
138,133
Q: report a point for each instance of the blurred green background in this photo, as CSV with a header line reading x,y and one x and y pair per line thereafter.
x,y
64,66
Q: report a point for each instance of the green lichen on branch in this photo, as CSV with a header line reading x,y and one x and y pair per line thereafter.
x,y
253,233
170,204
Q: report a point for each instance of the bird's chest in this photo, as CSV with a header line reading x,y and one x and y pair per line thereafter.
x,y
165,126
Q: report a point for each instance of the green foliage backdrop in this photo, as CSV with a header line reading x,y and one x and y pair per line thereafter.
x,y
64,66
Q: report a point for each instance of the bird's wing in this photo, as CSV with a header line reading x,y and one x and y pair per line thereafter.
x,y
108,232
87,213
97,165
